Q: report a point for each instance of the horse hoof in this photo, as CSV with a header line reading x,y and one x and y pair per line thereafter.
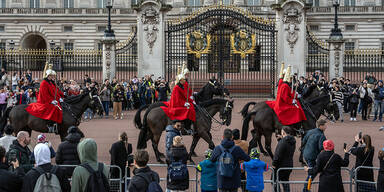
x,y
161,155
266,154
192,162
161,161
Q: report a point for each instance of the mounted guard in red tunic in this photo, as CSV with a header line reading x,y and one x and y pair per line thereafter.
x,y
286,106
48,101
181,105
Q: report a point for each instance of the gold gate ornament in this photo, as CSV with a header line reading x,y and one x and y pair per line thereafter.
x,y
242,43
198,44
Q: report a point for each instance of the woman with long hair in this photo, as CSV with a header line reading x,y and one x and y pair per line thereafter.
x,y
366,99
364,152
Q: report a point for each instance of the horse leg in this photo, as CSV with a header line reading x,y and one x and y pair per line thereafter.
x,y
205,136
155,143
268,142
195,140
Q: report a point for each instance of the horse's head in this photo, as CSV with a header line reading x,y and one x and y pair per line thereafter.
x,y
332,110
226,113
95,103
217,88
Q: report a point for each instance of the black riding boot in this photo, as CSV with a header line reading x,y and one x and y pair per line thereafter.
x,y
187,128
52,127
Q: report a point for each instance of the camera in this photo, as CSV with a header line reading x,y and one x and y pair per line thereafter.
x,y
11,158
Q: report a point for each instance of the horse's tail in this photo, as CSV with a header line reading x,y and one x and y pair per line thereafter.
x,y
4,119
244,131
137,119
244,111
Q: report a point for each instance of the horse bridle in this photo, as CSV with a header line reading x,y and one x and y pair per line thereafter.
x,y
213,118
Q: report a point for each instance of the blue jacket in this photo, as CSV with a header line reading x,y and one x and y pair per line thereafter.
x,y
255,169
171,133
313,144
208,175
238,154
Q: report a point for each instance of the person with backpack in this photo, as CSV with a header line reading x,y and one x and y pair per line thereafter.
x,y
45,177
178,175
228,169
90,175
255,169
329,164
208,173
144,178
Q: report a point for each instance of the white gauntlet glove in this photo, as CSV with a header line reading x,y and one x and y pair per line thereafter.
x,y
61,100
54,102
186,104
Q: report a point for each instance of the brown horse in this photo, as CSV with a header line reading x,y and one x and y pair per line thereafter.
x,y
156,120
73,108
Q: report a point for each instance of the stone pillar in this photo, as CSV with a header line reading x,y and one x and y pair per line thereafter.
x,y
109,58
336,58
150,37
291,34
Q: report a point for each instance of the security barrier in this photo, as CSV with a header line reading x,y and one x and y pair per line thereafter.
x,y
115,184
363,185
298,185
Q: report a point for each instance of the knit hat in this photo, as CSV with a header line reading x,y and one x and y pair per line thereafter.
x,y
255,154
42,154
328,145
178,141
41,138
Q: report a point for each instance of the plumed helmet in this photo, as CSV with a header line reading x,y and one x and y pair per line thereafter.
x,y
287,76
50,72
208,153
180,77
255,154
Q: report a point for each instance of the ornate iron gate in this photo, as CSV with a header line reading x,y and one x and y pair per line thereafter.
x,y
239,49
317,55
126,57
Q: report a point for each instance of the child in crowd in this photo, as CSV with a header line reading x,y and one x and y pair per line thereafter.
x,y
208,173
255,169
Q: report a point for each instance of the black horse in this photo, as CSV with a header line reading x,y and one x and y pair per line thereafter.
x,y
73,108
209,90
265,121
156,120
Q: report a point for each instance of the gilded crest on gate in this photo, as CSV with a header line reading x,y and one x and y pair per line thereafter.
x,y
243,43
197,43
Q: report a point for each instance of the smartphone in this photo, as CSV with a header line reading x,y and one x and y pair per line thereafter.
x,y
345,146
360,134
11,158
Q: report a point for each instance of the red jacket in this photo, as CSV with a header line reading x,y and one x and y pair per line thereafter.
x,y
175,108
43,108
287,113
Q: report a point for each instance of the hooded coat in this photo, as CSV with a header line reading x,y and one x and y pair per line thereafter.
x,y
208,175
178,154
330,175
10,181
119,156
43,160
87,150
255,169
238,155
67,152
23,155
284,152
313,144
171,133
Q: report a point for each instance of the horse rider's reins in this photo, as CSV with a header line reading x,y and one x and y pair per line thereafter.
x,y
67,106
209,115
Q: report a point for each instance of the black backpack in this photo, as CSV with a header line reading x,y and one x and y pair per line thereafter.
x,y
153,185
97,181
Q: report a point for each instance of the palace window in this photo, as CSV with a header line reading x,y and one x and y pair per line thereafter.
x,y
254,2
349,2
382,45
349,46
2,3
101,3
99,46
2,28
101,28
68,46
314,27
193,3
226,2
350,27
34,4
69,4
67,29
2,45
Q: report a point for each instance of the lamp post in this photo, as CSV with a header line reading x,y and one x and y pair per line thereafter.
x,y
336,31
11,45
52,44
109,32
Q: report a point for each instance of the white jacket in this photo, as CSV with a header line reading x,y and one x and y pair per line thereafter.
x,y
6,141
362,92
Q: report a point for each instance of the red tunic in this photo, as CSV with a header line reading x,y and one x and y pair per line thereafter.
x,y
43,108
175,108
287,113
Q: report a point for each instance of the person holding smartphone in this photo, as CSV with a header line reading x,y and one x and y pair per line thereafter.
x,y
10,180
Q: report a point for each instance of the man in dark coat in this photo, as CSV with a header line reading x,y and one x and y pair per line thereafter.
x,y
20,150
67,151
329,164
142,173
172,131
43,161
312,142
10,181
119,155
229,183
284,152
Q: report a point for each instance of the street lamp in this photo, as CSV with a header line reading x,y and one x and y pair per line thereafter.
x,y
11,45
336,31
52,44
109,32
